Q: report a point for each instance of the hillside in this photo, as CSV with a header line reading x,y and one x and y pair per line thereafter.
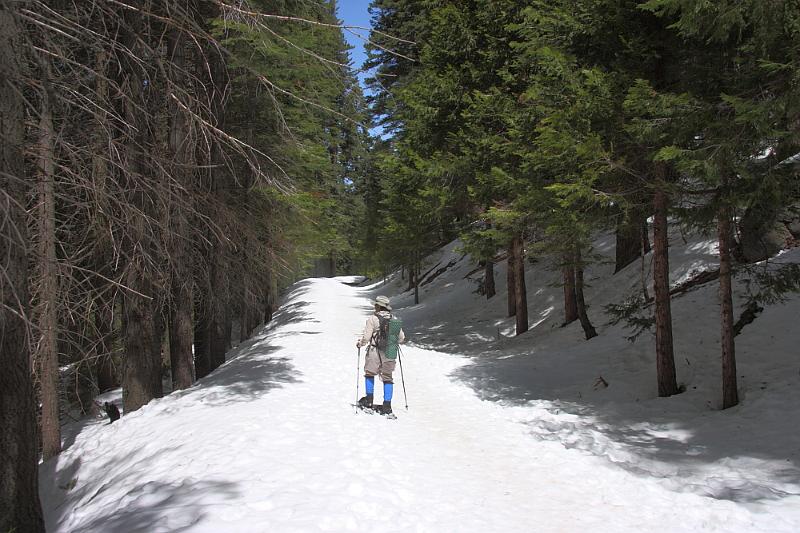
x,y
748,452
504,433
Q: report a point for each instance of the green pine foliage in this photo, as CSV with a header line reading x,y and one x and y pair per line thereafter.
x,y
295,98
560,118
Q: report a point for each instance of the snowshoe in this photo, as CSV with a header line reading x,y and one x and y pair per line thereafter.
x,y
376,410
366,402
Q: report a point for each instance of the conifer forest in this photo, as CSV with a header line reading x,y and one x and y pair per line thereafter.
x,y
169,169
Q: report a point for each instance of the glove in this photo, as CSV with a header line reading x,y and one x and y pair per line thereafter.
x,y
358,343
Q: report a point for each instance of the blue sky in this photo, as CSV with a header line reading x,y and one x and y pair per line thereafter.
x,y
354,13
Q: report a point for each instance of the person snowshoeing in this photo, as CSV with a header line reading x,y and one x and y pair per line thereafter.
x,y
374,338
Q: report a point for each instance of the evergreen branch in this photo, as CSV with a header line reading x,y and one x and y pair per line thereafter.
x,y
286,18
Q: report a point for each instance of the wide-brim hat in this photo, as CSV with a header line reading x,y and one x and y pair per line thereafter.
x,y
383,301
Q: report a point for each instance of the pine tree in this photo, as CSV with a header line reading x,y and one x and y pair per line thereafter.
x,y
19,494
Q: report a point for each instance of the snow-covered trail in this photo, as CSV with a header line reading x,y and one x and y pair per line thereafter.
x,y
270,442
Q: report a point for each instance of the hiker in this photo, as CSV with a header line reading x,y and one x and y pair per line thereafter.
x,y
376,360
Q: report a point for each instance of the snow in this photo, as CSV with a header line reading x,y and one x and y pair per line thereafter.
x,y
501,433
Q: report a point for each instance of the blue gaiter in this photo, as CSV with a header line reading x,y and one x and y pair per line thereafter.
x,y
388,390
370,381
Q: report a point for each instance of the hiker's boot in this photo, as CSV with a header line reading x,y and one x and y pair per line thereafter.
x,y
386,408
366,402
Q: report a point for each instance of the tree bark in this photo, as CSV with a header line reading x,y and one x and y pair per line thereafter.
x,y
417,268
730,395
141,370
47,353
160,343
520,292
181,328
20,509
107,376
218,294
510,281
202,352
665,359
588,329
488,279
629,241
141,378
570,302
218,317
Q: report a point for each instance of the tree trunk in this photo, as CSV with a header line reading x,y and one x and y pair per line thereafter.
x,y
488,279
417,268
141,378
510,281
202,349
47,353
218,294
665,359
107,376
181,327
160,343
141,370
730,395
588,329
270,297
629,241
244,315
217,321
181,334
20,509
570,302
645,243
520,293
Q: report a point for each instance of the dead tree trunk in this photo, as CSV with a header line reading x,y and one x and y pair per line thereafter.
x,y
47,352
20,509
588,329
520,292
730,395
665,359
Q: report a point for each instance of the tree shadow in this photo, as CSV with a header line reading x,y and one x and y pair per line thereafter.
x,y
152,502
639,433
123,500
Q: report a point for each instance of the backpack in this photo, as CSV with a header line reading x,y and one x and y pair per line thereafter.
x,y
381,336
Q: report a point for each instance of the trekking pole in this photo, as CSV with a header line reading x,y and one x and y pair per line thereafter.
x,y
358,378
402,378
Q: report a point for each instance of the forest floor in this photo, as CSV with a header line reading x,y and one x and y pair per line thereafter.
x,y
271,442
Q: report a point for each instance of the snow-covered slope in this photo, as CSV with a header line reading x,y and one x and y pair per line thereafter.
x,y
748,453
502,434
